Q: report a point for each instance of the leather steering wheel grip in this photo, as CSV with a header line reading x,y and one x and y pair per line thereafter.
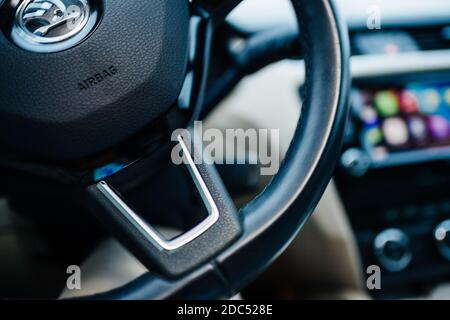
x,y
274,218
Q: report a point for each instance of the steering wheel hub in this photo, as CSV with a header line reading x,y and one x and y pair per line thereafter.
x,y
63,105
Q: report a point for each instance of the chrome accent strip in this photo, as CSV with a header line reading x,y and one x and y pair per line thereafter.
x,y
406,62
153,235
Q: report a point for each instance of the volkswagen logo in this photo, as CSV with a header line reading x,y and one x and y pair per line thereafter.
x,y
52,25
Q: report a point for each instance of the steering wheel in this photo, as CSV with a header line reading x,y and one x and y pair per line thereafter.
x,y
140,70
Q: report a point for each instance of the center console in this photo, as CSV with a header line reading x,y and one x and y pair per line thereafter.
x,y
400,216
394,173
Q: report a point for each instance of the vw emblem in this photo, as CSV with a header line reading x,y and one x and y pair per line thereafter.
x,y
52,25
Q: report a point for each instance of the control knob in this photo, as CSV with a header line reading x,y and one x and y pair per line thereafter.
x,y
442,237
392,249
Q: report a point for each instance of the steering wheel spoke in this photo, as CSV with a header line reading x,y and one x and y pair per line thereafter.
x,y
175,257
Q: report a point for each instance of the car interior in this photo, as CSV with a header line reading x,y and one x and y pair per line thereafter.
x,y
358,91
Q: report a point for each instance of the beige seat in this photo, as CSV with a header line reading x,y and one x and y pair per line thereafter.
x,y
110,266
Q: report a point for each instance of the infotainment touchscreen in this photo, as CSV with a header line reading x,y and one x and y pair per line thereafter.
x,y
407,124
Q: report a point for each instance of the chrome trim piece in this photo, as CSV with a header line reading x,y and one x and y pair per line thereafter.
x,y
31,10
147,230
402,63
72,20
377,65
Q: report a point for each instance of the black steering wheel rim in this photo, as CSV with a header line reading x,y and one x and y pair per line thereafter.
x,y
239,246
275,217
